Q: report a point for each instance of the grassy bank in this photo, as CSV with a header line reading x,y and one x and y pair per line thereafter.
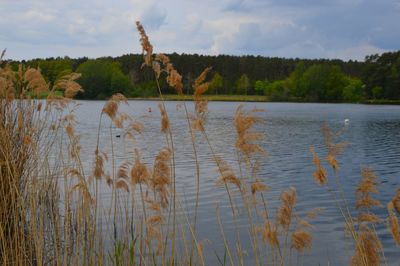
x,y
383,101
221,98
253,98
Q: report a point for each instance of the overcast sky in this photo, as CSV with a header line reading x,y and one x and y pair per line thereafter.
x,y
345,29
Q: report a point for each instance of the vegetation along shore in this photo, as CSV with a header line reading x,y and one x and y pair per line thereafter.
x,y
375,80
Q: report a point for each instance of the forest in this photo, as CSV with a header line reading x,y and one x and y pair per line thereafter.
x,y
377,78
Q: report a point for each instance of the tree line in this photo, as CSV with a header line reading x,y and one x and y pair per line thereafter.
x,y
280,79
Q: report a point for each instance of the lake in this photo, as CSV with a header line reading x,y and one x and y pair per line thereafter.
x,y
372,133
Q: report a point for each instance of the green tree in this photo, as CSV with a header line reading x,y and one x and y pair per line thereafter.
x,y
294,79
320,82
278,90
53,69
102,78
353,91
336,81
377,92
242,85
216,84
260,87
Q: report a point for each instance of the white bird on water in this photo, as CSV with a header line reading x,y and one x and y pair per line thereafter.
x,y
346,121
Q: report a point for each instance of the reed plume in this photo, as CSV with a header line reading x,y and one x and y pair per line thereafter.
x,y
365,188
161,178
394,226
147,48
198,124
368,218
320,175
258,187
139,174
134,127
161,64
174,80
153,205
36,84
313,213
200,87
367,249
227,176
200,104
396,201
112,105
121,183
301,240
68,84
285,211
154,220
164,118
124,170
98,168
334,149
270,234
246,135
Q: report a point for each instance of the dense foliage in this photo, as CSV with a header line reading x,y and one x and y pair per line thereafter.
x,y
278,78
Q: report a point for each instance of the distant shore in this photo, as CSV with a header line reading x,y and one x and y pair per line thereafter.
x,y
222,98
252,98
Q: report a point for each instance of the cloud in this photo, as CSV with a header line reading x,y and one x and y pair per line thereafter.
x,y
153,17
348,29
37,16
357,52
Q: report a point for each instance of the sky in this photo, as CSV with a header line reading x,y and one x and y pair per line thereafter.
x,y
343,29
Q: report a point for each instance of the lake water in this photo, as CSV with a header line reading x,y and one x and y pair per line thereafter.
x,y
373,134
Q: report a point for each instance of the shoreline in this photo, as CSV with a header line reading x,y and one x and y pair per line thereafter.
x,y
255,98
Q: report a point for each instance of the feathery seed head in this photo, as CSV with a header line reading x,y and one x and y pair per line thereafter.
x,y
154,220
121,183
174,80
270,234
163,59
396,201
164,118
147,48
301,240
313,213
139,171
258,187
320,175
200,79
246,135
98,169
365,188
227,176
162,175
123,170
285,211
334,149
368,248
368,218
394,226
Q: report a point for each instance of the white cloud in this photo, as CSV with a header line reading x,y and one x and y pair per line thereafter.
x,y
153,17
357,52
289,28
33,16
